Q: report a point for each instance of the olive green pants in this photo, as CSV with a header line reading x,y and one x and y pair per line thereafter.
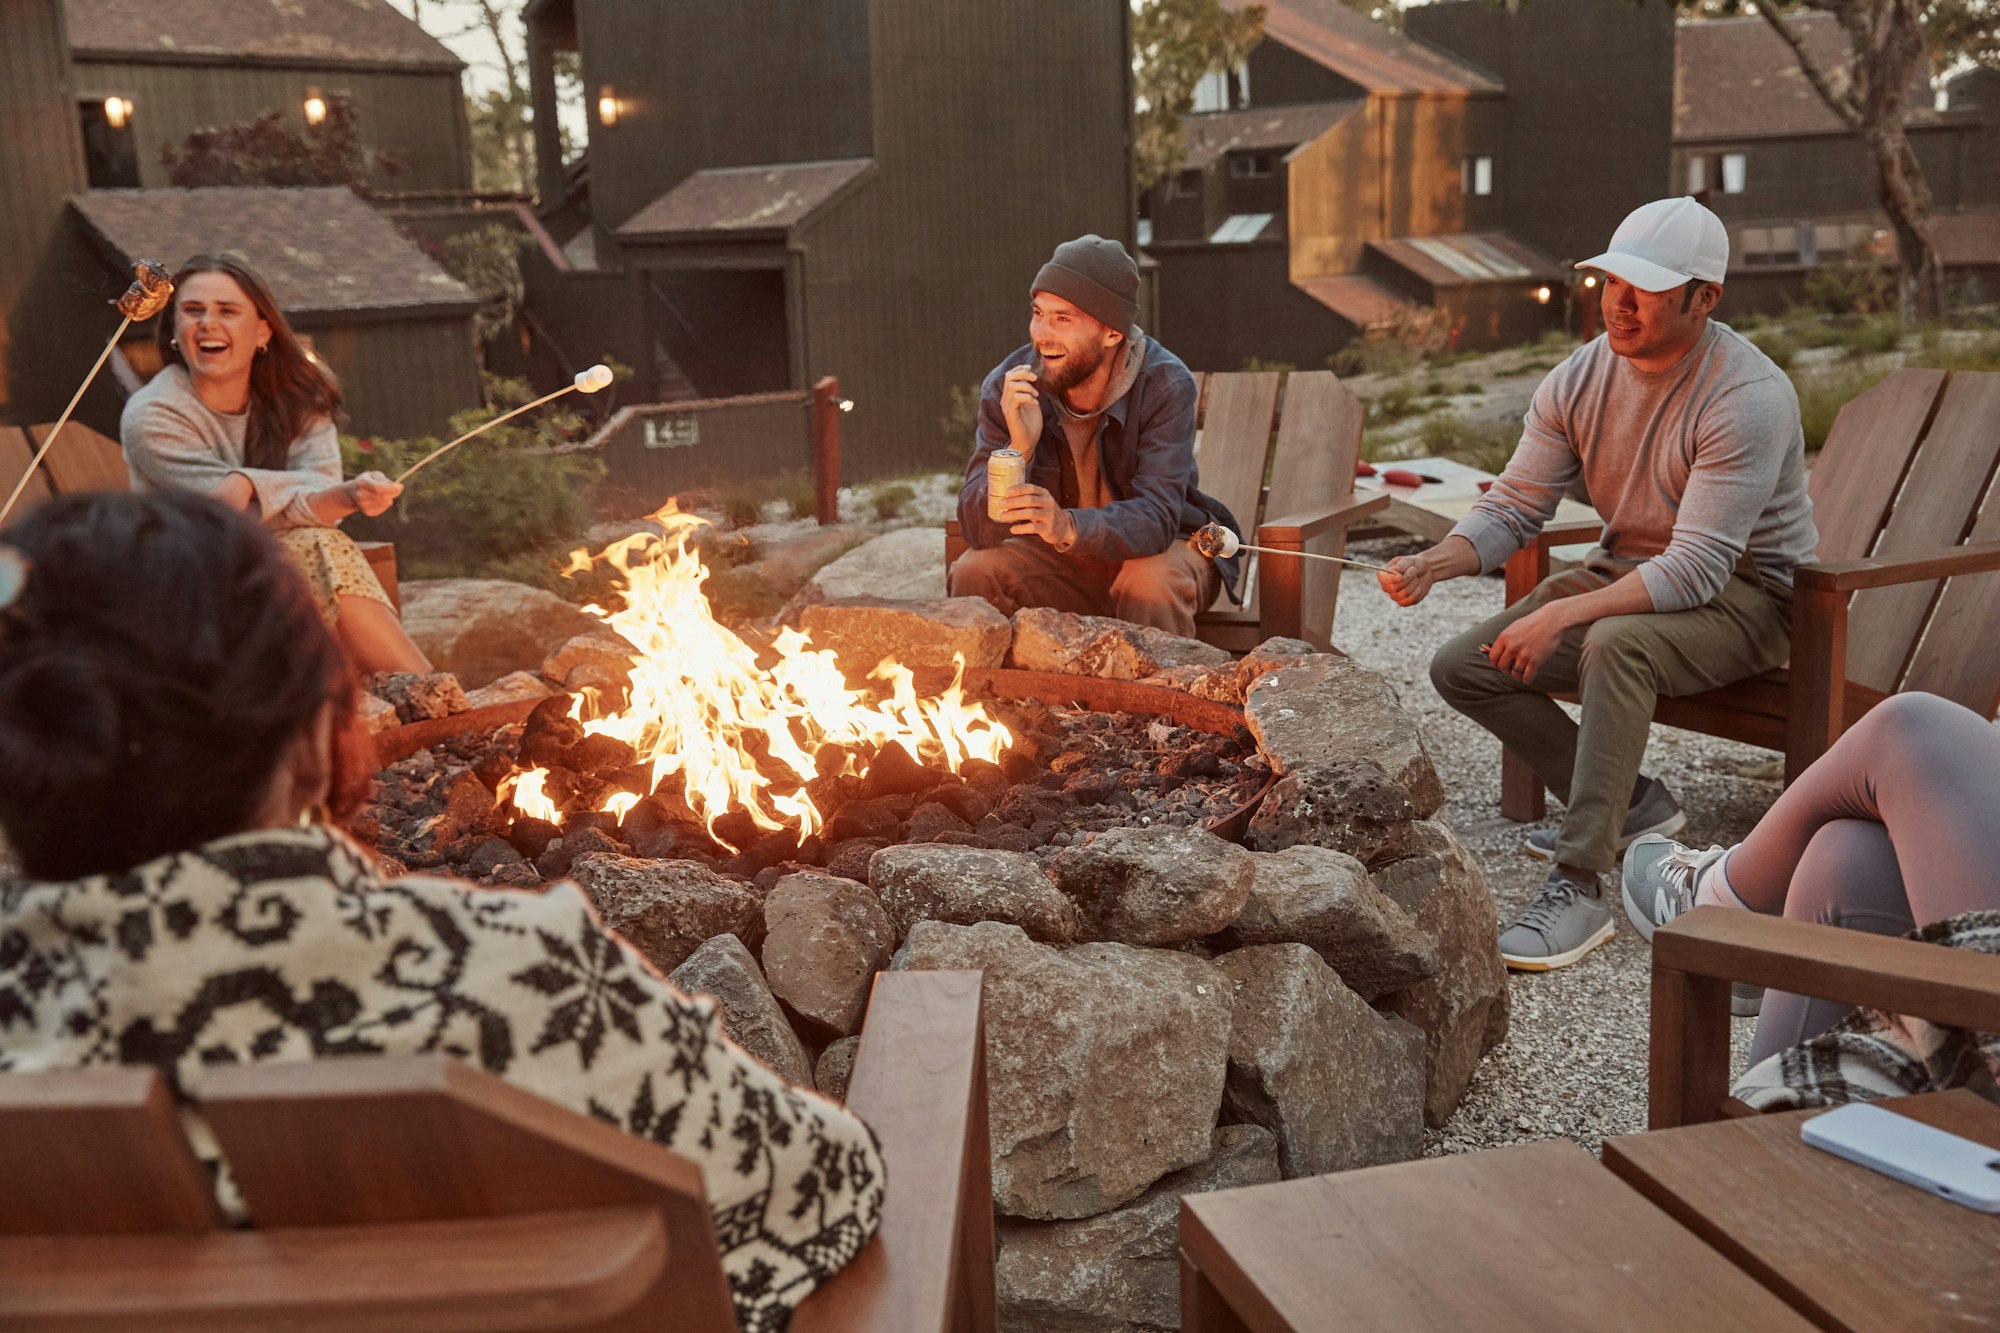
x,y
1618,667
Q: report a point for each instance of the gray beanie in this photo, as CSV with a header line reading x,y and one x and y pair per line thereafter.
x,y
1097,277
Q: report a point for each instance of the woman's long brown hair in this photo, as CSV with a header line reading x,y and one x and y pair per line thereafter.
x,y
287,390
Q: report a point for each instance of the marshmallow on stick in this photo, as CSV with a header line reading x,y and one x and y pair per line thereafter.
x,y
586,381
1219,543
151,290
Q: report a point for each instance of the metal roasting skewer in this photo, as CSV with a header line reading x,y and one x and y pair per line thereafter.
x,y
1214,540
587,381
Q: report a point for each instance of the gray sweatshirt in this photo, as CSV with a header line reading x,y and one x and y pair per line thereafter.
x,y
1689,467
174,440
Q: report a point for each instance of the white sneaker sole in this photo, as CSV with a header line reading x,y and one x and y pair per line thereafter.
x,y
1666,828
1550,962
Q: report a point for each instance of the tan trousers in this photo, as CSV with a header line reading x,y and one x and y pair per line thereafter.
x,y
1165,591
1619,667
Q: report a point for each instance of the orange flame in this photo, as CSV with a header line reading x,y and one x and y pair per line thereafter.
x,y
530,797
701,707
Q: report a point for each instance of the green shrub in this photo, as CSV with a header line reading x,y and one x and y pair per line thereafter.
x,y
1774,343
1980,353
1854,286
1394,403
488,501
1873,335
800,494
1258,365
890,498
1434,388
1449,435
1469,388
1822,394
959,426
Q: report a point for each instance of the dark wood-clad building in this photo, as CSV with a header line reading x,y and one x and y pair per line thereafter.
x,y
1358,177
394,328
148,74
1794,185
863,188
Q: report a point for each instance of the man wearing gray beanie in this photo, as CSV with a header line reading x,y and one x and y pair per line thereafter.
x,y
1104,418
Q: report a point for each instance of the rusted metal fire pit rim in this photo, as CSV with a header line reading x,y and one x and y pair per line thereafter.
x,y
1045,687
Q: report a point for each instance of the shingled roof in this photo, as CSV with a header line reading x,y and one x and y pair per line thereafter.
x,y
1736,79
323,251
769,199
306,32
1362,51
1212,134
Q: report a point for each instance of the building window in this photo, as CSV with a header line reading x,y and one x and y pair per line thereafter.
x,y
1476,176
1735,172
110,154
1251,166
1145,236
1241,227
1222,91
1187,185
1697,174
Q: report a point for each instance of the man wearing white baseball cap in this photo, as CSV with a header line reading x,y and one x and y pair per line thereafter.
x,y
1687,438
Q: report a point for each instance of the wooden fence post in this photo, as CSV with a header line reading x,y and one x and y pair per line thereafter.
x,y
826,449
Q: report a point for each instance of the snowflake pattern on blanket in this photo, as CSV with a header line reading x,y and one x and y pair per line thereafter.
x,y
286,945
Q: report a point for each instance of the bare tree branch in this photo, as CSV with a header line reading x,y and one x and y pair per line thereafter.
x,y
1842,102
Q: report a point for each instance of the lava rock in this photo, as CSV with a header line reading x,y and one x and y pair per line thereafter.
x,y
1119,1272
490,855
531,837
510,688
968,803
559,857
849,859
893,773
1325,900
419,696
862,631
1462,1009
984,776
835,1068
824,941
377,715
1329,712
724,970
931,821
1155,886
469,806
1339,1084
1105,1063
879,818
965,885
600,754
1352,808
666,909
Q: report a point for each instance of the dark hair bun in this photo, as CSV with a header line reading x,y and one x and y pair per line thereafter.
x,y
60,719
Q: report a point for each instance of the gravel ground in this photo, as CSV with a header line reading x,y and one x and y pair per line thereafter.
x,y
1574,1062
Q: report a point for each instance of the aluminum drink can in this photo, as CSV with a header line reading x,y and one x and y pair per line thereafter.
x,y
1005,469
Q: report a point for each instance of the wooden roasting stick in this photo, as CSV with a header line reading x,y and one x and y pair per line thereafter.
x,y
587,381
1215,541
148,295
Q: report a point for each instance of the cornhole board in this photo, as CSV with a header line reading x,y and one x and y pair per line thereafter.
x,y
1430,510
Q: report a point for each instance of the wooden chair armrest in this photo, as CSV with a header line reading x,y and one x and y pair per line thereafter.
x,y
920,1082
1530,565
1567,534
1295,530
1841,576
527,1271
1696,956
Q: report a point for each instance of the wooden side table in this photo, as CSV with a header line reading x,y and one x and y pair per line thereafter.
x,y
1528,1238
1847,1247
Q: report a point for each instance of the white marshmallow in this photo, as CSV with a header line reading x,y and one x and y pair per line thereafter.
x,y
590,381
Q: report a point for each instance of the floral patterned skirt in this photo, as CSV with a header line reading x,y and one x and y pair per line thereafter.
x,y
334,568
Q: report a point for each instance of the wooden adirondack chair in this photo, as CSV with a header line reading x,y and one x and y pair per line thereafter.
x,y
1907,500
1697,955
83,460
1286,470
420,1194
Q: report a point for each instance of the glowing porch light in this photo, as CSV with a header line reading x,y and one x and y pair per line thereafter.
x,y
608,105
1542,295
117,112
315,107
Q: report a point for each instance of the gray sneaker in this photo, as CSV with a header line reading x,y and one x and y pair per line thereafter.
x,y
1659,880
1561,925
1655,811
1659,884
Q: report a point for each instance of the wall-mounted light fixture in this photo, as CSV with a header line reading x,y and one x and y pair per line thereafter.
x,y
608,105
117,112
315,107
1542,295
1590,280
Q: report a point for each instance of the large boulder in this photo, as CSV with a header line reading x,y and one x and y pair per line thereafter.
x,y
1325,900
1351,808
966,885
1339,1084
724,969
1462,1009
481,629
861,631
835,1068
599,660
1105,1063
667,909
824,941
1119,1272
1328,712
905,565
513,687
1059,641
1155,886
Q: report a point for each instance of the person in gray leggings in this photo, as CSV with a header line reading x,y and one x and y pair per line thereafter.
x,y
1895,827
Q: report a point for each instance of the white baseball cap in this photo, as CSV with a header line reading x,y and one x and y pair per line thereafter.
x,y
1665,244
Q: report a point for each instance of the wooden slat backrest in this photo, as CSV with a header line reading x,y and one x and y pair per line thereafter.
x,y
1235,441
82,460
1956,658
15,455
1857,474
920,1082
97,1152
1936,506
1319,437
422,1138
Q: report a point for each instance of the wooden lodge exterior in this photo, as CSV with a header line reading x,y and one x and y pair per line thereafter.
x,y
198,63
1359,177
862,188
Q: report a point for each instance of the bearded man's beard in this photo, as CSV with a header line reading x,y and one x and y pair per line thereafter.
x,y
1076,367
